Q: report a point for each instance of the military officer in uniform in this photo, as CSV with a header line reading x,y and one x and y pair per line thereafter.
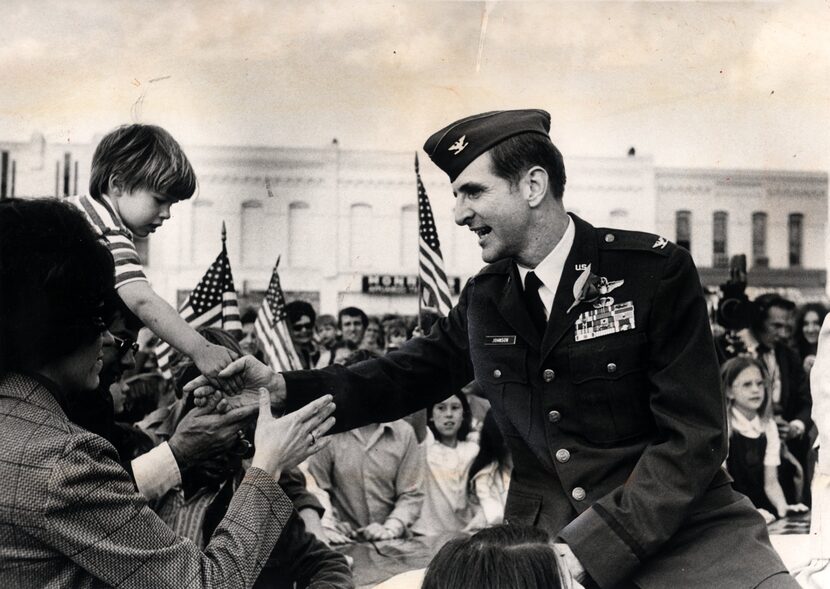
x,y
593,347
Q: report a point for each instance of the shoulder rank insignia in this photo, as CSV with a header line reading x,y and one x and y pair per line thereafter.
x,y
660,243
459,145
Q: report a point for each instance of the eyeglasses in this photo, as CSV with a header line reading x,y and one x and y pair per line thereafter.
x,y
301,326
122,346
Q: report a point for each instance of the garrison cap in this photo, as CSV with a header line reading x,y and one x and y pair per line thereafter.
x,y
454,147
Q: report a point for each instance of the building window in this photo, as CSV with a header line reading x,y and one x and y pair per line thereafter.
x,y
795,232
301,252
683,229
360,236
759,240
255,234
720,258
409,237
206,233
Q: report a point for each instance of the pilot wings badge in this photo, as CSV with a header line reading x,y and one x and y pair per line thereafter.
x,y
459,145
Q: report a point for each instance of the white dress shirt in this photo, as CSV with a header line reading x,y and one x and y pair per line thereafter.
x,y
549,270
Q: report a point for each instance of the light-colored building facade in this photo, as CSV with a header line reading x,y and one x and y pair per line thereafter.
x,y
344,222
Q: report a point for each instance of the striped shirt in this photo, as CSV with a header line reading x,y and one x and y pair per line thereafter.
x,y
114,234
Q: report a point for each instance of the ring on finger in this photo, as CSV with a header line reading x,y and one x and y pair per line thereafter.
x,y
313,437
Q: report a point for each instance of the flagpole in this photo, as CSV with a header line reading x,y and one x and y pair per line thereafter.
x,y
224,234
418,246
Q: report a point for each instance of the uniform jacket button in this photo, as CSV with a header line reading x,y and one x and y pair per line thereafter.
x,y
548,375
611,367
578,493
609,238
554,416
497,373
563,455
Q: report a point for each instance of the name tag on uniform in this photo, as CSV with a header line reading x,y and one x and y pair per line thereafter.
x,y
499,340
605,321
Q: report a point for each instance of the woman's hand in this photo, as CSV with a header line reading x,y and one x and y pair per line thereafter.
x,y
285,442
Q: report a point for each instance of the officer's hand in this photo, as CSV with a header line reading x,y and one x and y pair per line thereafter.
x,y
247,370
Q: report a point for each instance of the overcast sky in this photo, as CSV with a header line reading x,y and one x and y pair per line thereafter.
x,y
743,84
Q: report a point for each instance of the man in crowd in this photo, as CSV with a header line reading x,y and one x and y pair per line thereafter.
x,y
352,323
593,347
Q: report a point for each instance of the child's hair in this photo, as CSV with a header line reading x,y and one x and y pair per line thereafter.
x,y
141,157
501,556
492,446
326,320
360,356
466,419
730,371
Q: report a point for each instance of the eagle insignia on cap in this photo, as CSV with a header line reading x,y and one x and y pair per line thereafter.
x,y
459,145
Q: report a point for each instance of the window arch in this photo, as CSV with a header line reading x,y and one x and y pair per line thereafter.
x,y
361,254
254,234
409,237
300,231
205,226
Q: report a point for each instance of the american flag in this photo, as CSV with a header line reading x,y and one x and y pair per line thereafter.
x,y
272,328
434,289
212,303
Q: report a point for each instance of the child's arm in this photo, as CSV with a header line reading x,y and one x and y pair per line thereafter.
x,y
164,321
773,491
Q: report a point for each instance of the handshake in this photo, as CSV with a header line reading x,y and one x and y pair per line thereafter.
x,y
216,424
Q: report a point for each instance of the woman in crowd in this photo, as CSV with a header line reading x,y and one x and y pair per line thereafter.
x,y
490,476
449,456
373,338
807,327
754,445
71,515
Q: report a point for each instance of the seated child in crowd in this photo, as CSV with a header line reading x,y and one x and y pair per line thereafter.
x,y
138,173
490,476
449,456
754,445
373,477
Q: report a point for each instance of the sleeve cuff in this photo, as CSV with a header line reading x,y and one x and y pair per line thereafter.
x,y
607,558
156,472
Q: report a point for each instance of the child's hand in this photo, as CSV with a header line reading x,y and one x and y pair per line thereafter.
x,y
768,517
210,360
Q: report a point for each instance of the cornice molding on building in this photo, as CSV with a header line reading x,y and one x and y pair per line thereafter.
x,y
260,180
765,177
684,188
604,187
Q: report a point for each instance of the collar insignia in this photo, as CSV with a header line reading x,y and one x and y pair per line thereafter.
x,y
660,243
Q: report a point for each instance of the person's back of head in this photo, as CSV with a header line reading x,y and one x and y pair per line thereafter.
x,y
145,157
519,557
54,280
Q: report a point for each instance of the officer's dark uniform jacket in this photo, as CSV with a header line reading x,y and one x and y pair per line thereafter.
x,y
617,440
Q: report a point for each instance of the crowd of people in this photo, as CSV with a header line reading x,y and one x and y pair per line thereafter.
x,y
120,476
765,378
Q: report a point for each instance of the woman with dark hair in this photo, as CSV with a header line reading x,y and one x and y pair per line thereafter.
x,y
808,322
71,516
449,455
490,476
495,558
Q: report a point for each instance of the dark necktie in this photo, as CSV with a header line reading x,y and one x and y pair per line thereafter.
x,y
535,307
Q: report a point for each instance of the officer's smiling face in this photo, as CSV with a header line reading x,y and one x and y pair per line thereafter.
x,y
494,210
